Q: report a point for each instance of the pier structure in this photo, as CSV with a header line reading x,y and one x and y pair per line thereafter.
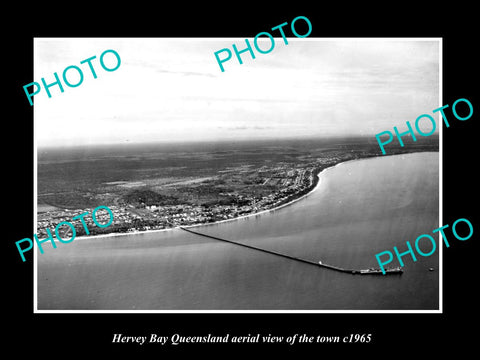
x,y
370,271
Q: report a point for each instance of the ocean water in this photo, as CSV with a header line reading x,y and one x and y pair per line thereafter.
x,y
359,208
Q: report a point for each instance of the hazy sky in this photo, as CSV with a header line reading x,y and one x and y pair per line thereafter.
x,y
169,89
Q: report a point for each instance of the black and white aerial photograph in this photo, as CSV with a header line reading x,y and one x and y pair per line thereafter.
x,y
260,188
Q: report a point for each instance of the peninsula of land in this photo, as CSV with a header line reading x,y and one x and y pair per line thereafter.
x,y
156,187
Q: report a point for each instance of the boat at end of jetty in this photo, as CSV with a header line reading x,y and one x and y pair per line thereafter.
x,y
373,271
370,271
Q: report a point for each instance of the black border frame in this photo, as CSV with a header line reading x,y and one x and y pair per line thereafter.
x,y
91,334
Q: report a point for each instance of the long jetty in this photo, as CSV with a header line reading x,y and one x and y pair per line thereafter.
x,y
295,258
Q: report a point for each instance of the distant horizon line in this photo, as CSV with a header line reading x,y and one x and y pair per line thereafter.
x,y
213,141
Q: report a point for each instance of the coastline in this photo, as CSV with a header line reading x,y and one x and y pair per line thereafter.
x,y
116,270
277,207
215,222
225,220
114,234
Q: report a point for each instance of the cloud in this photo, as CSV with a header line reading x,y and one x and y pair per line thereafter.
x,y
184,73
172,89
245,127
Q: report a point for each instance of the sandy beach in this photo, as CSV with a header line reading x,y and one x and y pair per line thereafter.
x,y
114,234
221,221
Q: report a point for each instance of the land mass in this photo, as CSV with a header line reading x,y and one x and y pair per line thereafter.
x,y
153,186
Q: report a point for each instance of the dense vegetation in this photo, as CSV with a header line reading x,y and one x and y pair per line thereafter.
x,y
143,175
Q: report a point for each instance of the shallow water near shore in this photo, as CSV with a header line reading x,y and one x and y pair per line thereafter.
x,y
359,209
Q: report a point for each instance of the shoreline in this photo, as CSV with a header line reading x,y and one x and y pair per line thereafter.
x,y
277,207
225,220
239,217
215,222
